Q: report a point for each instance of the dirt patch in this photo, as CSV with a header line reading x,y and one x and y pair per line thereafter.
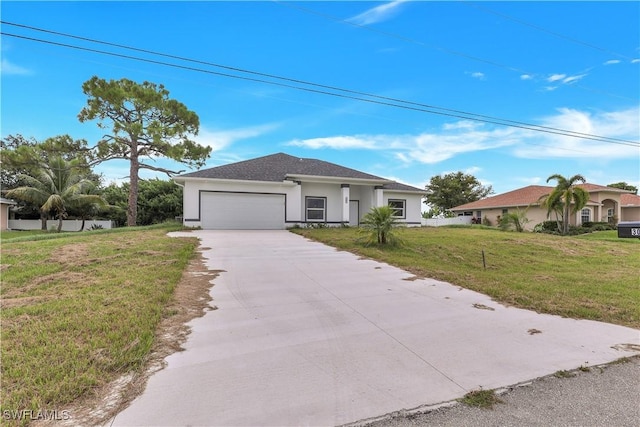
x,y
71,255
6,303
191,300
483,307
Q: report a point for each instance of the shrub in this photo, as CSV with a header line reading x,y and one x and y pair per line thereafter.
x,y
516,220
380,224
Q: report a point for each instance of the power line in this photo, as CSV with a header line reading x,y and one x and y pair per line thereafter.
x,y
544,30
450,51
381,100
468,115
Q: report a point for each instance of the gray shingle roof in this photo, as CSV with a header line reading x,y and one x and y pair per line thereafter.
x,y
276,167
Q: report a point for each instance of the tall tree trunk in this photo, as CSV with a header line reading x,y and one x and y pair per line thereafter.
x,y
132,208
59,223
43,221
565,220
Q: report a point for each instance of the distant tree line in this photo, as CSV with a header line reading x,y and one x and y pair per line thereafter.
x,y
54,178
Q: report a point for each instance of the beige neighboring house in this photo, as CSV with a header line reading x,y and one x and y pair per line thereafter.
x,y
606,204
5,204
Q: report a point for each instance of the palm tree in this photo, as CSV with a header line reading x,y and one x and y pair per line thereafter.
x,y
380,222
56,186
565,199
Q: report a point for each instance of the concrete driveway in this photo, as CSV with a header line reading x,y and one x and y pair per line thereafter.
x,y
307,335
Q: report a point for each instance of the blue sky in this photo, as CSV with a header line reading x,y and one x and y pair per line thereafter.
x,y
567,65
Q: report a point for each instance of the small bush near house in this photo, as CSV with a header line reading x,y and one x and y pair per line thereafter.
x,y
516,220
379,224
551,227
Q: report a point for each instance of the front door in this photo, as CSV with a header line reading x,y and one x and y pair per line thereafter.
x,y
354,213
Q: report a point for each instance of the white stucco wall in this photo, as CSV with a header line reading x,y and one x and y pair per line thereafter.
x,y
333,194
193,187
413,206
337,205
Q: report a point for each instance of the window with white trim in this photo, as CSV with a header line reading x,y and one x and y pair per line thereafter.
x,y
399,207
610,215
316,208
585,215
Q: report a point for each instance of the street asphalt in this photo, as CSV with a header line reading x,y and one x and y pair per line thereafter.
x,y
308,335
607,396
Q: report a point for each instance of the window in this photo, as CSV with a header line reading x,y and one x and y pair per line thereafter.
x,y
610,216
316,208
585,215
505,211
398,207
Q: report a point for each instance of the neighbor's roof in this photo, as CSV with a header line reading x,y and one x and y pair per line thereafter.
x,y
7,201
280,166
629,200
530,195
520,197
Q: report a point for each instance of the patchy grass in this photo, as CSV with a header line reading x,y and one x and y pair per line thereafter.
x,y
484,399
81,309
593,276
564,374
13,234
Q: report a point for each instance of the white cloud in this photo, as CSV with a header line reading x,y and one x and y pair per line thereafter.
x,y
220,139
376,14
8,68
564,79
530,180
635,61
573,79
462,124
526,77
555,77
624,124
478,75
611,62
472,170
467,136
338,142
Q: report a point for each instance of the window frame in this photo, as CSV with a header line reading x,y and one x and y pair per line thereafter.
x,y
582,215
307,209
403,209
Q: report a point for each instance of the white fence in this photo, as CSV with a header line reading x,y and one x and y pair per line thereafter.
x,y
67,224
439,222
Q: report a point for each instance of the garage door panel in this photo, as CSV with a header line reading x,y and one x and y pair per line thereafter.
x,y
242,211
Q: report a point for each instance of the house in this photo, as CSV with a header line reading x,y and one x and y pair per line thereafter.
x,y
606,204
5,204
279,191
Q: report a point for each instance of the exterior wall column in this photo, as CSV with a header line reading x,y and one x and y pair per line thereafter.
x,y
378,198
295,208
345,190
618,211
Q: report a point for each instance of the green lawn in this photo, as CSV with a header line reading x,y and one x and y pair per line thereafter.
x,y
81,309
593,276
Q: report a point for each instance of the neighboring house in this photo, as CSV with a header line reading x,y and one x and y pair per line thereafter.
x,y
279,191
630,205
606,204
5,204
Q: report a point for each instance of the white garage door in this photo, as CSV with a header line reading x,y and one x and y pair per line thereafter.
x,y
242,211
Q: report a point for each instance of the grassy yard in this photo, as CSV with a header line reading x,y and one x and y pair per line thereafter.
x,y
593,276
81,309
